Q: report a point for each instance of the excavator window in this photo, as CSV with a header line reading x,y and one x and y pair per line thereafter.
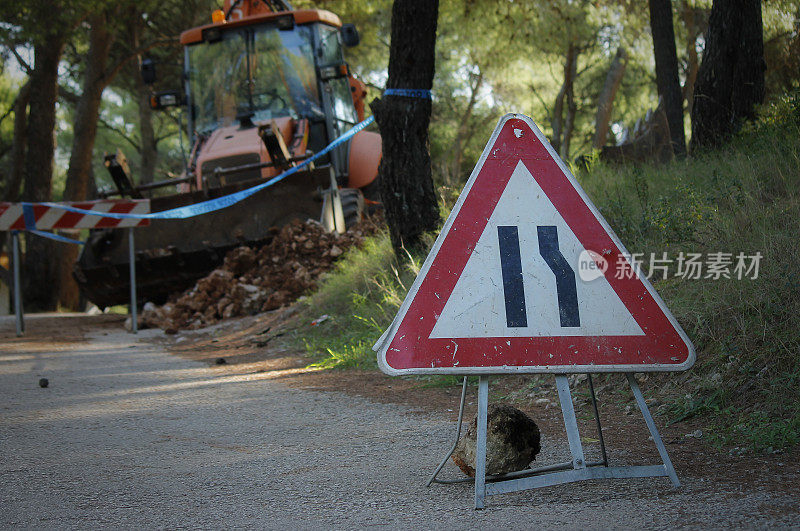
x,y
342,100
257,71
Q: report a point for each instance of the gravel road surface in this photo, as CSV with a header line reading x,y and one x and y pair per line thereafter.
x,y
127,436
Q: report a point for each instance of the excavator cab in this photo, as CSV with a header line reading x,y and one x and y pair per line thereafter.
x,y
286,68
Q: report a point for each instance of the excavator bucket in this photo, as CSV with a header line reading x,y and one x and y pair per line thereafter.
x,y
171,255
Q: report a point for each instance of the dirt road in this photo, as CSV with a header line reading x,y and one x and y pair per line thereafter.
x,y
128,436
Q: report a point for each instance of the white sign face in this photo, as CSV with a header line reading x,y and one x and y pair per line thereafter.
x,y
519,280
477,306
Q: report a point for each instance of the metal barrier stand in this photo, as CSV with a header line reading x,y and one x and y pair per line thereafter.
x,y
17,288
577,470
18,312
132,260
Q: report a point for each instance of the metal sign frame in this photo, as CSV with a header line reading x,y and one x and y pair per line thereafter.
x,y
665,346
576,470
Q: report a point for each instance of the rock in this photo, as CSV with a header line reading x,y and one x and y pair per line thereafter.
x,y
220,361
240,260
43,382
253,280
512,442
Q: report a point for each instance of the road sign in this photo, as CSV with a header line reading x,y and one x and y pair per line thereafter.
x,y
527,276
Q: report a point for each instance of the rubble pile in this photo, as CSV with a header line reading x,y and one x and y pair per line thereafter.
x,y
258,280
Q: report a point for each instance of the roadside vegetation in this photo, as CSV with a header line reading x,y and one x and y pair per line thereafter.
x,y
742,198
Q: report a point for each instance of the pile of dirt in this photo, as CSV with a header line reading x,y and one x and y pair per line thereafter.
x,y
258,280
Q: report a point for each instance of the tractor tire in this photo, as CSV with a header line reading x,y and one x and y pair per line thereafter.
x,y
352,206
372,197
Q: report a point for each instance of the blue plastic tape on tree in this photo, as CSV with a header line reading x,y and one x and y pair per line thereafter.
x,y
408,93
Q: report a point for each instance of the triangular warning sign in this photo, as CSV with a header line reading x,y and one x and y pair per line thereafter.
x,y
526,276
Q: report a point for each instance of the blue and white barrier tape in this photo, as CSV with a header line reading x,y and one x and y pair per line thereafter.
x,y
30,225
56,237
219,203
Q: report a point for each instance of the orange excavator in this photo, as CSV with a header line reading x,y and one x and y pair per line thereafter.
x,y
265,88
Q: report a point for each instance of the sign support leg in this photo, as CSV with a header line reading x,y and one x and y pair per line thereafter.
x,y
132,260
458,433
480,446
570,423
648,419
597,421
577,470
17,284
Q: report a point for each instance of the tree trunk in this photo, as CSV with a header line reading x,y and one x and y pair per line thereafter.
x,y
40,260
88,110
694,28
85,131
148,146
456,149
731,78
572,109
693,66
19,148
669,88
405,171
570,69
605,102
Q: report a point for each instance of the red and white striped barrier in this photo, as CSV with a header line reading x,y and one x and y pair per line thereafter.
x,y
36,217
12,216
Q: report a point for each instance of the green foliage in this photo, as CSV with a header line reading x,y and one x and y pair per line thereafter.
x,y
8,92
743,198
119,129
361,296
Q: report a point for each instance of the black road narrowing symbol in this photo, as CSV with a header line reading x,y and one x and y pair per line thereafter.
x,y
513,287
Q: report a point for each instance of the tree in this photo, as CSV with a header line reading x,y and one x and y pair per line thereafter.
x,y
19,144
564,126
51,34
731,78
98,73
79,171
695,21
666,57
405,170
605,103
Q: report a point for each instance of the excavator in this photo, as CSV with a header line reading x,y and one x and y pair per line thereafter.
x,y
265,88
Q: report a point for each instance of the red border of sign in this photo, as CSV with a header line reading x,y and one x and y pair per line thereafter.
x,y
406,346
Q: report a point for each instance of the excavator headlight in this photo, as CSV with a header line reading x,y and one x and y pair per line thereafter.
x,y
166,98
334,71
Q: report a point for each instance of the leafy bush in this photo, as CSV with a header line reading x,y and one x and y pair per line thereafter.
x,y
362,295
742,198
